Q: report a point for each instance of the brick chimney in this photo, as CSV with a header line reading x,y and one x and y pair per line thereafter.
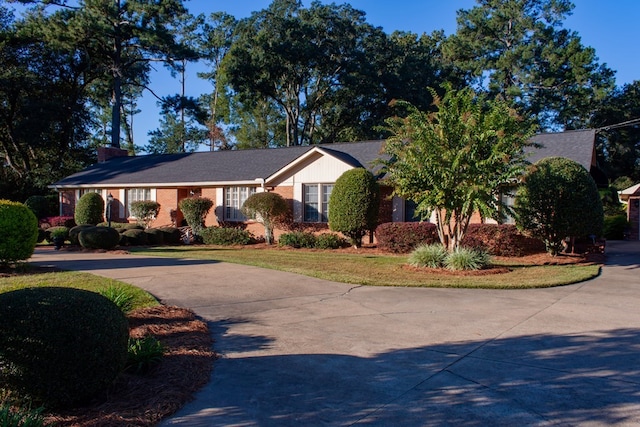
x,y
106,153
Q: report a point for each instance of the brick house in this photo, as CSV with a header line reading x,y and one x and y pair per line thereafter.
x,y
631,196
304,176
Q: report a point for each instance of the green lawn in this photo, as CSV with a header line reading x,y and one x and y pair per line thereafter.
x,y
77,280
379,270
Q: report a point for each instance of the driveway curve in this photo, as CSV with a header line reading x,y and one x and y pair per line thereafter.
x,y
302,351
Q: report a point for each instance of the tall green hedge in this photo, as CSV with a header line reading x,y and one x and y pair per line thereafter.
x,y
354,204
89,209
18,232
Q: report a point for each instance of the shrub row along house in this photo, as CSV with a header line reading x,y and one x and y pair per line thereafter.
x,y
304,176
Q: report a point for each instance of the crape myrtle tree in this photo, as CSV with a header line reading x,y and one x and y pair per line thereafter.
x,y
354,204
267,209
455,160
518,49
558,199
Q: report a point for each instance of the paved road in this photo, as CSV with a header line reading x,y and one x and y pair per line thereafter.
x,y
298,351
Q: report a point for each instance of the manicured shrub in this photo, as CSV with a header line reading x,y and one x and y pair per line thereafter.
x,y
99,238
59,221
18,232
225,236
39,205
403,237
467,259
432,256
297,239
615,227
154,236
501,240
268,209
144,354
354,204
329,241
136,237
42,235
172,235
558,199
145,211
60,346
89,209
51,232
75,231
195,209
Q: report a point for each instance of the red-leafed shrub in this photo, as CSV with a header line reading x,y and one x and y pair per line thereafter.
x,y
501,240
58,221
403,237
498,240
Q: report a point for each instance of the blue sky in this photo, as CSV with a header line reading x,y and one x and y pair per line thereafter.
x,y
612,27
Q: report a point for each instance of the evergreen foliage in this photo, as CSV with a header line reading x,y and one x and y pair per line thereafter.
x,y
354,204
89,209
267,209
18,232
557,200
195,210
145,211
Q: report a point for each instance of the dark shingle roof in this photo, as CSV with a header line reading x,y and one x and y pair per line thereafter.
x,y
209,167
577,145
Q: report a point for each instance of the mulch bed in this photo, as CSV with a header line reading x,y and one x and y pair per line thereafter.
x,y
143,400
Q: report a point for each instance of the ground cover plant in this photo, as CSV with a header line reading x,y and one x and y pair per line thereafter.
x,y
369,267
152,386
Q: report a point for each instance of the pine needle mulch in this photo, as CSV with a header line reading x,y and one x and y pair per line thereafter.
x,y
143,400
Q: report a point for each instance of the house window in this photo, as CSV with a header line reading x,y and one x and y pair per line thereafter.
x,y
83,191
509,200
316,202
136,195
234,198
410,211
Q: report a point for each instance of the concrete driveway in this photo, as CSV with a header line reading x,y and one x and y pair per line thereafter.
x,y
303,351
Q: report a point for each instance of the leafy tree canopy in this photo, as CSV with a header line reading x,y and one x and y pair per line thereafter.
x,y
456,161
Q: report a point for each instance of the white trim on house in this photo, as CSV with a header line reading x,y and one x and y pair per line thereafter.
x,y
257,181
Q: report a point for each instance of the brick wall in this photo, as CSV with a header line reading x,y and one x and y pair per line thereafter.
x,y
168,199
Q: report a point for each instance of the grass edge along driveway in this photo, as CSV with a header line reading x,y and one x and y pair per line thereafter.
x,y
383,270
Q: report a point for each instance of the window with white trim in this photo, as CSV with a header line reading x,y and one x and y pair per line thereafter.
x,y
234,198
316,202
83,191
136,195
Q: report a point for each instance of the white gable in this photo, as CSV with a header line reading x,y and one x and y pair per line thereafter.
x,y
315,167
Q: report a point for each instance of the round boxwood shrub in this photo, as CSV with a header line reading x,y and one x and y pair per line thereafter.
x,y
225,236
136,237
18,232
75,231
172,235
60,346
154,236
329,241
99,238
297,239
89,209
56,231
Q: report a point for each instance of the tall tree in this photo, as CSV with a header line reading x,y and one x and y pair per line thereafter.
x,y
518,48
456,160
618,141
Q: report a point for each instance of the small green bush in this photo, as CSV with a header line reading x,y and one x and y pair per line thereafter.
x,y
145,211
225,236
39,205
52,232
297,239
195,209
60,346
172,235
136,237
144,354
432,256
615,226
18,232
154,236
75,231
89,209
99,238
13,417
122,297
329,241
42,235
467,259
269,209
